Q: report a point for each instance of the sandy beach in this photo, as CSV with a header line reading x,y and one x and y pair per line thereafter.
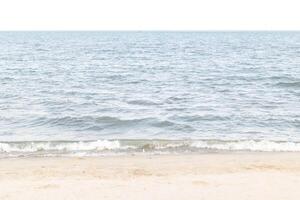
x,y
215,176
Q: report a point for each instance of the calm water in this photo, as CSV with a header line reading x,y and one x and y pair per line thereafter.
x,y
208,90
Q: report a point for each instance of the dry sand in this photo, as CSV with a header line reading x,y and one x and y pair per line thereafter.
x,y
219,176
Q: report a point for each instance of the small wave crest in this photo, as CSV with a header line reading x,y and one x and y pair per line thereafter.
x,y
98,145
248,145
289,84
141,146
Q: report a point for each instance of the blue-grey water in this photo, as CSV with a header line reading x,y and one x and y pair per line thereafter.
x,y
219,90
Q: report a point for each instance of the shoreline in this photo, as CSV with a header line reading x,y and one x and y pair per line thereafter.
x,y
211,176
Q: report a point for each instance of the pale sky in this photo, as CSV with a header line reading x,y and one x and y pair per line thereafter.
x,y
150,15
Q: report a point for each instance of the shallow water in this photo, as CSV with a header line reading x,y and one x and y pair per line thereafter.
x,y
224,86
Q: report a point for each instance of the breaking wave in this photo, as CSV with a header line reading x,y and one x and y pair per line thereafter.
x,y
250,145
98,145
142,146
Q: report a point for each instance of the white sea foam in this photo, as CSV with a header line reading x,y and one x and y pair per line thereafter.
x,y
121,146
59,146
248,145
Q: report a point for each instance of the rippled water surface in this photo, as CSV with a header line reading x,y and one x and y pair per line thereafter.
x,y
149,85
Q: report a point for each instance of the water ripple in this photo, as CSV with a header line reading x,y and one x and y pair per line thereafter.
x,y
150,85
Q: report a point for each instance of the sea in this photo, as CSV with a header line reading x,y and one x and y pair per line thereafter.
x,y
157,92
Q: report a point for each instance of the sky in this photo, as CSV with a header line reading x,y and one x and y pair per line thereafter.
x,y
149,15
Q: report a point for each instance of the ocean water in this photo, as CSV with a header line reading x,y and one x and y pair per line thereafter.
x,y
115,92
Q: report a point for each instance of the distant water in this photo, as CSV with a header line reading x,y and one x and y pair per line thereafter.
x,y
93,92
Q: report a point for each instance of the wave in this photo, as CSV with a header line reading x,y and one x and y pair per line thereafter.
x,y
98,145
249,145
83,121
142,146
143,102
97,123
289,84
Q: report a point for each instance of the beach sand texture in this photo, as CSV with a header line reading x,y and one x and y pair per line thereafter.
x,y
215,176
